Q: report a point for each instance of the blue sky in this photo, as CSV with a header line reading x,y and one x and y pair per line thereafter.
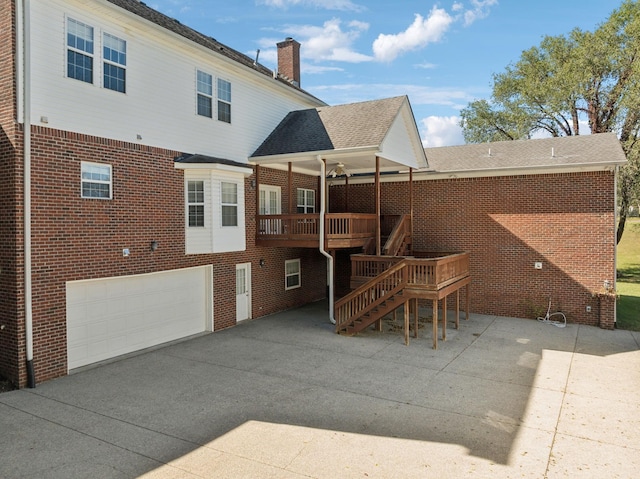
x,y
441,54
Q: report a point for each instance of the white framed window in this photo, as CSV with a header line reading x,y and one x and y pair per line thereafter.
x,y
96,180
79,51
195,203
114,55
229,201
306,201
204,97
224,100
292,278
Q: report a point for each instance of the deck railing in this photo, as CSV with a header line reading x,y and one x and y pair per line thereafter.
x,y
307,226
427,273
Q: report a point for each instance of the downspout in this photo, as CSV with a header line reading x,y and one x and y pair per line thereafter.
x,y
26,112
323,188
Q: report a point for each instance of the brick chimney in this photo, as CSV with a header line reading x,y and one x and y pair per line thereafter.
x,y
289,60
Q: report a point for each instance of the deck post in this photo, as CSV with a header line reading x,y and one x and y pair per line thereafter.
x,y
435,323
377,191
257,199
415,318
411,206
467,295
290,187
406,322
444,318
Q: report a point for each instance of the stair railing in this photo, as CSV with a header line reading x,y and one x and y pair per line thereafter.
x,y
396,242
374,292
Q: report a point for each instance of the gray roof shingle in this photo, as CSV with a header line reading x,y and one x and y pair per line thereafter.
x,y
545,152
333,127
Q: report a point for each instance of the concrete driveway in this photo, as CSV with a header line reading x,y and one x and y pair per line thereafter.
x,y
285,397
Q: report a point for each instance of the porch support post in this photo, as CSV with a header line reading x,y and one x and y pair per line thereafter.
x,y
257,199
290,186
411,206
377,188
346,194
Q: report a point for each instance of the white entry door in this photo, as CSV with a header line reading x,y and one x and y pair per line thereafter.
x,y
243,291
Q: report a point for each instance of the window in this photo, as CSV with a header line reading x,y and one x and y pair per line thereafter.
x,y
195,202
96,180
205,94
292,274
224,101
79,51
114,52
229,195
306,201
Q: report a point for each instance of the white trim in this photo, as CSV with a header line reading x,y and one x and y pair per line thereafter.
x,y
246,171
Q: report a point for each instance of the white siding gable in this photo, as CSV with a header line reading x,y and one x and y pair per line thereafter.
x,y
159,106
402,143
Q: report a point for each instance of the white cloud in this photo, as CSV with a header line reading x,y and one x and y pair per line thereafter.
x,y
418,95
419,34
441,131
329,42
426,65
480,9
346,5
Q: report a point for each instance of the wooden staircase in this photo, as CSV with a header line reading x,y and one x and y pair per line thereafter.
x,y
384,283
371,301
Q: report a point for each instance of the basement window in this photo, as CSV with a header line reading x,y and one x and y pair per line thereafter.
x,y
96,180
292,277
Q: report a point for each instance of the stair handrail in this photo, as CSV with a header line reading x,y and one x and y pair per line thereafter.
x,y
366,301
396,239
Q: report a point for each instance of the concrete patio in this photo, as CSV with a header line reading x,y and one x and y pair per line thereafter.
x,y
285,397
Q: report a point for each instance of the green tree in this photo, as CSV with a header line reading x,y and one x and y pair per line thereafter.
x,y
589,76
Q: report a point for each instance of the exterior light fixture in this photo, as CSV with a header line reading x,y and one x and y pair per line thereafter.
x,y
262,262
154,245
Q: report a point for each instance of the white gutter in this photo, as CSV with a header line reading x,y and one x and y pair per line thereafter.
x,y
26,98
323,189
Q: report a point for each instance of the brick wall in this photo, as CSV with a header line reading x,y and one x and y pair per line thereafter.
x,y
75,238
564,221
11,348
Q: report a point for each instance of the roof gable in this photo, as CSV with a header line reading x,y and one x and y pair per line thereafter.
x,y
383,127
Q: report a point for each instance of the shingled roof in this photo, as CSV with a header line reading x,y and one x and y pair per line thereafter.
x,y
354,125
602,149
142,10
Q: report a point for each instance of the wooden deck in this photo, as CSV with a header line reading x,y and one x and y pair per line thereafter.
x,y
383,283
342,230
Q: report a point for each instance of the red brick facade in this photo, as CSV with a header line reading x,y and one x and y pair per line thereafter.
x,y
11,304
564,221
75,238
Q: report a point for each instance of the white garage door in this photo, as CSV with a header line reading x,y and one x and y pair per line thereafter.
x,y
114,316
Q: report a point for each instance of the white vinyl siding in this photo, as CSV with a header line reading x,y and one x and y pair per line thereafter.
x,y
159,66
223,202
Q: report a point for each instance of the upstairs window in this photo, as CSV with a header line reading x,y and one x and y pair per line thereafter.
x,y
79,51
224,101
306,201
229,194
205,94
195,203
96,180
114,52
